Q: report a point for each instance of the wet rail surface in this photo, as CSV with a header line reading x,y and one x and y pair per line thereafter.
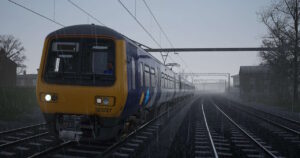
x,y
209,131
212,127
279,135
22,142
243,142
130,146
192,138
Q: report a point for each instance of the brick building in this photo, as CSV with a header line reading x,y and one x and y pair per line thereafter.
x,y
254,82
8,70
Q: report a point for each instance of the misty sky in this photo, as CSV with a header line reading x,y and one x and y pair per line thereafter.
x,y
188,23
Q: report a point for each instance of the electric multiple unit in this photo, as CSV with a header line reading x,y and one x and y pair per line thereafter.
x,y
92,79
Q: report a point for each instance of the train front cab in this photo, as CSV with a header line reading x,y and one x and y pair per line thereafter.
x,y
73,99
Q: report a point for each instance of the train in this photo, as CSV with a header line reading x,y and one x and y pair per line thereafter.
x,y
94,82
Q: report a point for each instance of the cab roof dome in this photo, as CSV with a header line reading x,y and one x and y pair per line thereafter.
x,y
87,29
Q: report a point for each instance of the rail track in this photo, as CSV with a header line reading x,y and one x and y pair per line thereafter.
x,y
129,146
208,131
204,145
126,147
277,134
214,130
231,139
22,141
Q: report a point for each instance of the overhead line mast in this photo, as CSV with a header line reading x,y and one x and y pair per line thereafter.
x,y
247,49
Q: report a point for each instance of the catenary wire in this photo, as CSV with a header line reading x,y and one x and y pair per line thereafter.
x,y
32,11
162,30
84,11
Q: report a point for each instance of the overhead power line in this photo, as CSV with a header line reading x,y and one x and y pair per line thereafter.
x,y
156,21
87,13
36,13
164,33
141,25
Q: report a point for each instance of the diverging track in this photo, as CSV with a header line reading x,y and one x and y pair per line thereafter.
x,y
278,134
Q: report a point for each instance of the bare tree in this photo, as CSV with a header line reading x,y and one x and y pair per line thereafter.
x,y
12,49
282,21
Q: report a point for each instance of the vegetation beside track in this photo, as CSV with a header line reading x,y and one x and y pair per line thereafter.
x,y
15,102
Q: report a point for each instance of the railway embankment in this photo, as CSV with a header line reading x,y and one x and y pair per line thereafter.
x,y
284,111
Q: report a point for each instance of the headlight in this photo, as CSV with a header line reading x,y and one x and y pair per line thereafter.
x,y
98,100
105,101
48,97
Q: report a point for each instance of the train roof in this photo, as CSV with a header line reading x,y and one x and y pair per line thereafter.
x,y
87,29
91,29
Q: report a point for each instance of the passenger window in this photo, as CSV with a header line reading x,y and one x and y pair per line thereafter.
x,y
153,77
147,76
141,75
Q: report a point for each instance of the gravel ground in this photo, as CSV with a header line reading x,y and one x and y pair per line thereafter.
x,y
34,117
268,108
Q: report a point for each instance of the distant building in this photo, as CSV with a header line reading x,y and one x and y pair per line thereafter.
x,y
236,80
235,89
8,70
26,80
254,82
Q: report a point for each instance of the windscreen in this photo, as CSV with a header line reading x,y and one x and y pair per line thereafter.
x,y
83,61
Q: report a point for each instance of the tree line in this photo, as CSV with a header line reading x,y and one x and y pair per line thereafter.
x,y
12,49
282,21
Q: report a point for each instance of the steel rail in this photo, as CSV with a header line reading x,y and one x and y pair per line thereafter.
x,y
48,150
119,143
106,152
22,140
208,131
21,128
247,134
